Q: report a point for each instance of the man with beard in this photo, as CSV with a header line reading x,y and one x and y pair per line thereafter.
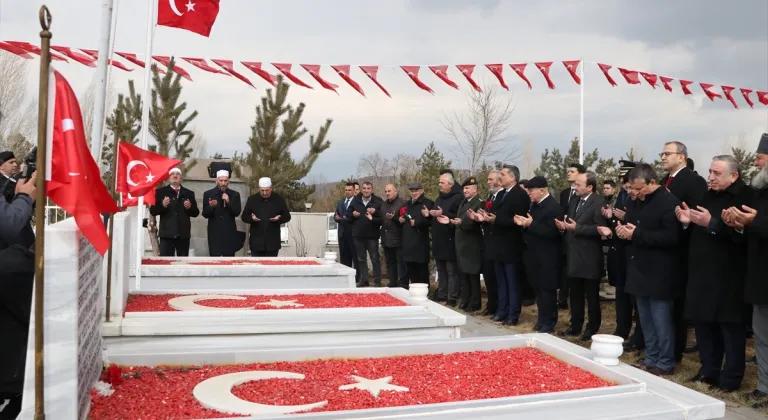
x,y
416,234
392,237
489,270
689,188
175,205
717,267
754,221
221,206
653,265
443,245
542,241
265,212
469,245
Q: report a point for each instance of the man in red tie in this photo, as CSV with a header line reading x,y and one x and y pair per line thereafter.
x,y
689,188
175,205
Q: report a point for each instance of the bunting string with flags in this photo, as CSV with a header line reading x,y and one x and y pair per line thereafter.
x,y
441,73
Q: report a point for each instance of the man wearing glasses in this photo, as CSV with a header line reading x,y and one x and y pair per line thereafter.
x,y
689,188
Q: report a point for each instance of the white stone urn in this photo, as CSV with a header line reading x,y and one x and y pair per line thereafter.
x,y
606,349
419,291
329,257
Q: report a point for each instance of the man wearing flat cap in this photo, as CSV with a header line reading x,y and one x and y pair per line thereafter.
x,y
416,234
265,212
175,205
221,206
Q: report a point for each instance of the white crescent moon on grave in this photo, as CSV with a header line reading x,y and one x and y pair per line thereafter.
x,y
216,394
132,164
175,9
189,302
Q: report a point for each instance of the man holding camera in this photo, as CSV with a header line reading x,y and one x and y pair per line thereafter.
x,y
9,167
17,270
175,205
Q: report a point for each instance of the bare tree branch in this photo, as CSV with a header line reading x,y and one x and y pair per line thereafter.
x,y
18,115
481,132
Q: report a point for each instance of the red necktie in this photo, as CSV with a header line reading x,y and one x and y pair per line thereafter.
x,y
669,181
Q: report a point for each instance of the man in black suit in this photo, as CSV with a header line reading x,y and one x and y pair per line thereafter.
x,y
265,212
584,255
689,188
175,205
221,206
347,253
507,244
566,196
364,213
542,240
653,265
489,271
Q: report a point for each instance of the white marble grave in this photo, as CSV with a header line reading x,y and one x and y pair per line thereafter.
x,y
180,275
122,233
637,395
72,307
177,334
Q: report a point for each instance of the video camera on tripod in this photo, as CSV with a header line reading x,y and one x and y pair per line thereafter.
x,y
8,185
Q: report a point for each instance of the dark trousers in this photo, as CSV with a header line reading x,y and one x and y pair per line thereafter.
x,y
624,308
681,327
581,288
562,283
365,247
491,287
718,341
638,338
417,272
527,290
612,266
448,283
348,253
546,302
174,247
396,270
510,301
255,253
470,290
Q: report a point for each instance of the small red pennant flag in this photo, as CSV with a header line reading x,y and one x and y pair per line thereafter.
x,y
166,61
665,81
727,91
604,68
314,71
286,70
34,49
80,58
343,72
684,85
466,71
117,64
413,73
256,68
371,72
651,78
21,52
203,65
711,95
442,73
229,66
631,76
571,66
762,97
544,69
498,71
520,70
133,58
745,93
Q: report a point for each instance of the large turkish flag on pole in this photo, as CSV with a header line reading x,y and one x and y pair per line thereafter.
x,y
196,16
74,181
139,170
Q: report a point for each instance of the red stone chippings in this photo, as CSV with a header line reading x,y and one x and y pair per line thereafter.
x,y
158,394
159,303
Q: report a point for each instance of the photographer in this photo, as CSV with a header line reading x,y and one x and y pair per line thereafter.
x,y
9,167
17,272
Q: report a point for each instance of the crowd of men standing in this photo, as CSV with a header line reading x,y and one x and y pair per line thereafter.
x,y
682,251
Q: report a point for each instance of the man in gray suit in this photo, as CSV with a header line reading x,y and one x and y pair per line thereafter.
x,y
584,255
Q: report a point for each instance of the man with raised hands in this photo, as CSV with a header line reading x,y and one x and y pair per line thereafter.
x,y
221,206
175,205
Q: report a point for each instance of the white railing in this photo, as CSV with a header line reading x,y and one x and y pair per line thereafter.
x,y
54,213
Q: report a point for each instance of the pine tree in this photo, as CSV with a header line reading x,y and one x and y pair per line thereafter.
x,y
125,124
430,164
554,166
747,162
277,127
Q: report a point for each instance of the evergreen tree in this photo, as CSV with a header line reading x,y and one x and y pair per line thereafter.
x,y
747,162
554,166
277,127
125,124
430,164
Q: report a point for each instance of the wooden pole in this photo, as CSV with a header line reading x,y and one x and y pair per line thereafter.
x,y
40,200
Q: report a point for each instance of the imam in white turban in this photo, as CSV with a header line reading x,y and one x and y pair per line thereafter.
x,y
265,182
174,171
222,173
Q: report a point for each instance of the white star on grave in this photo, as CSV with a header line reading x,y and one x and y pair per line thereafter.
x,y
280,303
150,177
190,6
374,386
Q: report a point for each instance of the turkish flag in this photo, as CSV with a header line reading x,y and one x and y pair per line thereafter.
x,y
745,93
727,91
605,68
343,71
762,97
256,68
80,58
133,58
710,94
286,70
684,85
34,49
372,72
520,70
95,55
128,200
413,73
651,78
229,66
198,16
166,61
665,81
74,181
203,65
314,71
571,66
632,77
442,73
21,52
498,71
466,71
139,170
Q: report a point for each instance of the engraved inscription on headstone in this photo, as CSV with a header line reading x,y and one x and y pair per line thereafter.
x,y
88,322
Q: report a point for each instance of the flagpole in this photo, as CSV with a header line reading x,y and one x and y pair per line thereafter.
x,y
144,140
101,87
40,210
112,188
581,118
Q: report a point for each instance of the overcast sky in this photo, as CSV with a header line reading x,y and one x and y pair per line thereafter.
x,y
703,40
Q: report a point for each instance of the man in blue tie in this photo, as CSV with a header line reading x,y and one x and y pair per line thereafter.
x,y
347,252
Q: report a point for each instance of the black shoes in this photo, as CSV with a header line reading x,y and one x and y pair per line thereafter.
x,y
569,332
703,379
